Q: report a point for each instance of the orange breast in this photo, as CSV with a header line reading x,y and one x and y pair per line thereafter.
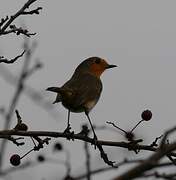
x,y
97,70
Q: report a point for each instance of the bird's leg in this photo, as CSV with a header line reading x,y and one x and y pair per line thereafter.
x,y
95,136
67,130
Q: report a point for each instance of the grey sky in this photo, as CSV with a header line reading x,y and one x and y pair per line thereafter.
x,y
138,36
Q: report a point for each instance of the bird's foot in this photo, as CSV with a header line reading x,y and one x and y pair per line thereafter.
x,y
67,130
68,133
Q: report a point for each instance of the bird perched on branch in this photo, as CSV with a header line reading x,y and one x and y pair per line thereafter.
x,y
82,91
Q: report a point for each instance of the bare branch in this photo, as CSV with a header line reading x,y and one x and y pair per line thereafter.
x,y
5,23
111,123
150,163
35,11
154,143
4,60
18,31
79,136
14,140
167,133
15,99
3,20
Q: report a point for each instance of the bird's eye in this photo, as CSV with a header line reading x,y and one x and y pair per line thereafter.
x,y
97,61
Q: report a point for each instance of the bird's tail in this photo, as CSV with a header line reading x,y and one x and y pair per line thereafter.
x,y
56,90
61,92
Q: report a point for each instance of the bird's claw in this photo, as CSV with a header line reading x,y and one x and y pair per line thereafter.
x,y
67,130
69,134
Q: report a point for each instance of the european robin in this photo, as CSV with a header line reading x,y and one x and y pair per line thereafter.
x,y
82,91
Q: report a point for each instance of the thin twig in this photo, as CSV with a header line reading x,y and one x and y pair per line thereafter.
x,y
53,134
15,99
151,162
136,125
8,21
5,60
108,122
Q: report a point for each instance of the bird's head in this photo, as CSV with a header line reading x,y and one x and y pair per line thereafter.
x,y
94,65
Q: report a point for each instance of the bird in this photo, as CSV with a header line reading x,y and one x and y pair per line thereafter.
x,y
82,92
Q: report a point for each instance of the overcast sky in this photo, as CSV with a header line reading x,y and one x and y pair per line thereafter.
x,y
138,36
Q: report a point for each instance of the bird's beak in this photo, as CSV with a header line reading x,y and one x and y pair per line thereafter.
x,y
110,66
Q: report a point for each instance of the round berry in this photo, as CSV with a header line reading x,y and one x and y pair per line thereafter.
x,y
146,115
41,158
57,147
15,160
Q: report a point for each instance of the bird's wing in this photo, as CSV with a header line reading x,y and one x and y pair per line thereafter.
x,y
87,89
